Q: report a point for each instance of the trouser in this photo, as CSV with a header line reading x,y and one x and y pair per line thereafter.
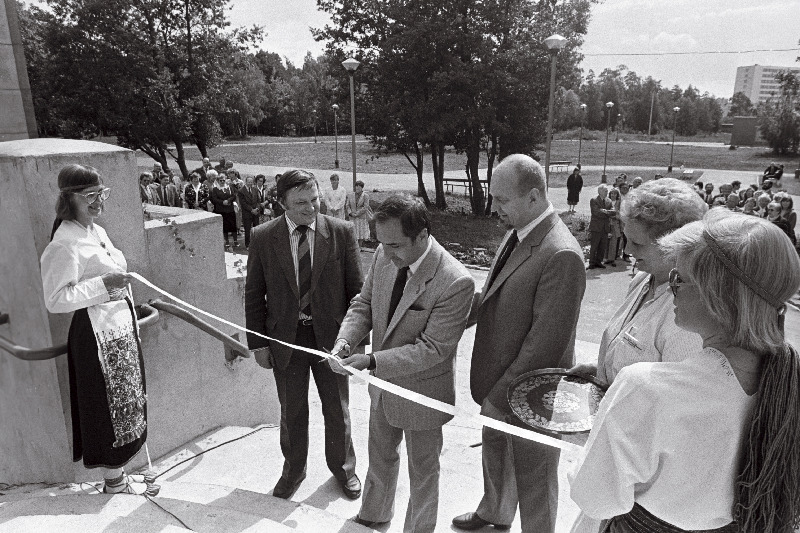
x,y
249,221
516,470
292,384
597,251
423,448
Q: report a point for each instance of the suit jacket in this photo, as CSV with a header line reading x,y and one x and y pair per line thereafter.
x,y
248,201
526,319
272,299
155,190
600,221
146,194
417,349
169,195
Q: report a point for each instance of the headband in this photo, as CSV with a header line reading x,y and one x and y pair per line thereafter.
x,y
739,274
74,188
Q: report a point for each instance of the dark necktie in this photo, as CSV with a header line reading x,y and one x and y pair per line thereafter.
x,y
397,291
304,271
511,244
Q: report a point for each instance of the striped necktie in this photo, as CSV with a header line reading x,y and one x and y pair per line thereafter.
x,y
304,271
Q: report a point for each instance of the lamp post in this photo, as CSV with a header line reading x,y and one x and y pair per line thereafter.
x,y
554,44
619,121
314,118
350,65
336,133
674,124
604,178
580,139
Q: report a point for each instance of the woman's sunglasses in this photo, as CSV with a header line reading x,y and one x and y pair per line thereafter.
x,y
91,197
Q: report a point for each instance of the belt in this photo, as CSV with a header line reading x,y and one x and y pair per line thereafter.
x,y
304,322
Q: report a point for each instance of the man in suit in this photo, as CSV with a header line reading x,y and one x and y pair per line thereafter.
x,y
250,207
302,272
599,226
526,317
416,300
168,192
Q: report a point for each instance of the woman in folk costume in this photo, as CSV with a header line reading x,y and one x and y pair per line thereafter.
x,y
82,272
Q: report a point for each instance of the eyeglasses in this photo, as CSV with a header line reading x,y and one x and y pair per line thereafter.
x,y
91,197
675,281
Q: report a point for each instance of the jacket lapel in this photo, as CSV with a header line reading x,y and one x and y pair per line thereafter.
x,y
321,250
521,253
282,250
416,285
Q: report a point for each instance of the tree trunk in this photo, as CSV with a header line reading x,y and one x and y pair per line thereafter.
x,y
491,154
477,198
437,156
181,159
201,145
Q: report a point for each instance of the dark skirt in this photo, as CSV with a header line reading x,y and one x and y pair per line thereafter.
x,y
228,222
640,520
573,196
92,429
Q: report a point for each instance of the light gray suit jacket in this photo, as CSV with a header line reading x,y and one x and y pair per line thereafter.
x,y
526,319
417,349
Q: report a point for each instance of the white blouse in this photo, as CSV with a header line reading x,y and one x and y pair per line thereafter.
x,y
72,265
650,335
668,436
335,199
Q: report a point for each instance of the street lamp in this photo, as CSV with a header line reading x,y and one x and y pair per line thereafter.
x,y
554,44
580,139
350,65
336,133
619,121
314,118
604,178
674,124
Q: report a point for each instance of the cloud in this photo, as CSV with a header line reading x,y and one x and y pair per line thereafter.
x,y
672,42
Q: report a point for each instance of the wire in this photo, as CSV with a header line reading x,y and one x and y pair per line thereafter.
x,y
151,500
176,465
707,52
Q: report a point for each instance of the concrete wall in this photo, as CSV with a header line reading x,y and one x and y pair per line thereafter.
x,y
190,389
17,118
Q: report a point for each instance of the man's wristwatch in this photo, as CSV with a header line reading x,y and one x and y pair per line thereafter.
x,y
372,363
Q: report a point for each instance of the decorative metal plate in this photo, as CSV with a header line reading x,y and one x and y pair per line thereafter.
x,y
555,402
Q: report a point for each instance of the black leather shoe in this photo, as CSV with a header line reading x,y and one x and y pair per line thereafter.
x,y
366,523
351,487
285,488
471,521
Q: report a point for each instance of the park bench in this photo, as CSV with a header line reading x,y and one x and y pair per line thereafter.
x,y
450,183
560,166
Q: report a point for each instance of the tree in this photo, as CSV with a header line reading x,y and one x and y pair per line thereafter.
x,y
741,106
151,71
780,116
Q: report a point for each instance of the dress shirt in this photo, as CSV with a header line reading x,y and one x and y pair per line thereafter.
x,y
72,264
649,334
294,242
667,436
530,226
415,265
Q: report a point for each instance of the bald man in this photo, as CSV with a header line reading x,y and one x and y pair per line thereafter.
x,y
526,317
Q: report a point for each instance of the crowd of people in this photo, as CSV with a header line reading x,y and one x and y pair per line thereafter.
x,y
699,429
608,237
245,203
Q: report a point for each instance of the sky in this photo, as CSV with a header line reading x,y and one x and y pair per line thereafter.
x,y
617,27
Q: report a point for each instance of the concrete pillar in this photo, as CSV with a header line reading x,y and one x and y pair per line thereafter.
x,y
34,396
17,118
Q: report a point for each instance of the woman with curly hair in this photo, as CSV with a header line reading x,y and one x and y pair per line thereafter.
x,y
711,443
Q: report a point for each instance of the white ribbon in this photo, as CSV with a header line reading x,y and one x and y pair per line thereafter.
x,y
391,387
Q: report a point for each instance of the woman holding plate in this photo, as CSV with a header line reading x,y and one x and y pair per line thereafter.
x,y
83,273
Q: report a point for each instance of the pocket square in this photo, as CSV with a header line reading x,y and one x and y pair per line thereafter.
x,y
416,308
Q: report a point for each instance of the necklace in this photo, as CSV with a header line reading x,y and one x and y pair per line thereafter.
x,y
96,237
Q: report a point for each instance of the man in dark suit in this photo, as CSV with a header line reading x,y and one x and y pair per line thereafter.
x,y
250,207
303,269
599,226
526,317
416,300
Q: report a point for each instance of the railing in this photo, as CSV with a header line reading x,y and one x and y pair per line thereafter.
x,y
235,348
146,316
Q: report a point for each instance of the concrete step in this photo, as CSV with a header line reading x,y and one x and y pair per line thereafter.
x,y
202,507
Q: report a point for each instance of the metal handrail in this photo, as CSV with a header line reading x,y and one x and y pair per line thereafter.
x,y
146,316
236,347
